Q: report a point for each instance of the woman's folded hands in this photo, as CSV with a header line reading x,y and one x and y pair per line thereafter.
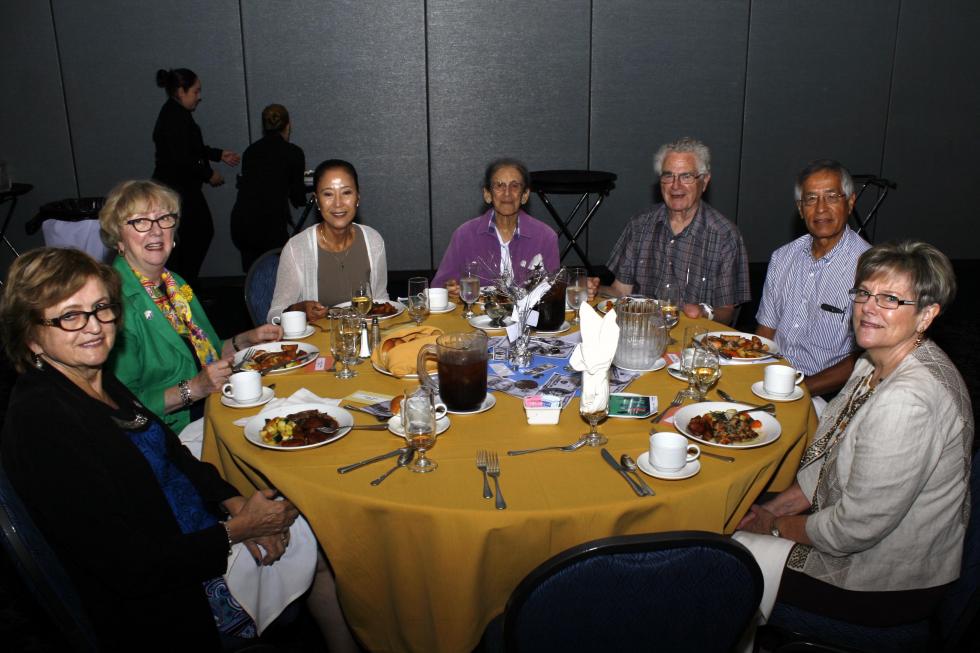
x,y
262,520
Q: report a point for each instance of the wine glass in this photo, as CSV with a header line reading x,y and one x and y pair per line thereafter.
x,y
577,290
669,298
361,298
419,427
418,299
469,287
594,411
335,318
705,369
690,346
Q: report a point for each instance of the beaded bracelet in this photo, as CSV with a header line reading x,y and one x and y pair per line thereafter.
x,y
184,388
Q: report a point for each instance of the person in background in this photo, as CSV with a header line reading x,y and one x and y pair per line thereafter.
x,y
167,353
320,265
683,241
181,162
804,305
505,237
271,180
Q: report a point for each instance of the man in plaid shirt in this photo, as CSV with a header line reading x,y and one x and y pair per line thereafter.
x,y
684,241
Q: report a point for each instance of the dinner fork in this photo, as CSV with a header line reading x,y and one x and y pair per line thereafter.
x,y
493,470
481,464
246,358
676,402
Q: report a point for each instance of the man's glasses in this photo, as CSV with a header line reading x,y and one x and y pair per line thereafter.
x,y
883,300
142,225
76,320
831,197
684,177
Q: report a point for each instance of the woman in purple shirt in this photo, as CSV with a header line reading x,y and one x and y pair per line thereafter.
x,y
505,237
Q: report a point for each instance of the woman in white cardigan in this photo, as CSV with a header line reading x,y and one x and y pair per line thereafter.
x,y
320,265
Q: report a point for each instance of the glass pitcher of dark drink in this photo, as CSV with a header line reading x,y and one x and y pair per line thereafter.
x,y
551,308
462,364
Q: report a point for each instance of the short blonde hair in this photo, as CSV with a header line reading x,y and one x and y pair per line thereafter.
x,y
41,278
128,199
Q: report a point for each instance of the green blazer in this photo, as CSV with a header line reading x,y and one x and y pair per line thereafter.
x,y
149,355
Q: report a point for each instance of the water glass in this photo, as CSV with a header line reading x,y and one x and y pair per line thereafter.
x,y
418,299
469,287
577,290
690,345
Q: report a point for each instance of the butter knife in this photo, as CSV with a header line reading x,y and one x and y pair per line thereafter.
x,y
368,461
608,457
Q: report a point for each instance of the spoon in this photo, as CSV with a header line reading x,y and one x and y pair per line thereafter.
x,y
769,408
403,460
627,461
567,447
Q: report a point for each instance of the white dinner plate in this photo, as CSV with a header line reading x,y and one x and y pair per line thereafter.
x,y
562,328
770,425
659,365
483,322
254,425
605,305
302,336
450,307
759,390
310,354
400,308
267,395
387,373
674,369
395,425
737,361
487,404
687,471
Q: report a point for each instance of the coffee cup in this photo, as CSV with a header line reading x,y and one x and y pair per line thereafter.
x,y
243,387
781,380
670,452
293,323
438,299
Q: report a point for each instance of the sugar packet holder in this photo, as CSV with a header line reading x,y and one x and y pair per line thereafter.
x,y
543,409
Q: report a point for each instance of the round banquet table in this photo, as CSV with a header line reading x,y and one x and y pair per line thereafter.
x,y
423,562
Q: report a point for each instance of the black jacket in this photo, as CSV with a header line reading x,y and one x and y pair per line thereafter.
x,y
181,159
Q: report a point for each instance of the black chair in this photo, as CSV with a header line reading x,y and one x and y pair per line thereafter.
x,y
680,591
867,226
260,283
41,570
946,631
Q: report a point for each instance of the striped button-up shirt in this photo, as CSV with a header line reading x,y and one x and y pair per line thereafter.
x,y
806,302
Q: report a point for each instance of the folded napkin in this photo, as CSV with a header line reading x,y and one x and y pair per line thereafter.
x,y
301,396
771,553
593,356
264,592
399,350
524,307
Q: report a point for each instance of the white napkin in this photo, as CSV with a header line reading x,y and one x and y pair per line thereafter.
x,y
771,553
594,355
264,592
301,396
192,437
523,306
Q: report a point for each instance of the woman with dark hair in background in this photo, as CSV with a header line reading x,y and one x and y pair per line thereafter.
x,y
181,162
271,179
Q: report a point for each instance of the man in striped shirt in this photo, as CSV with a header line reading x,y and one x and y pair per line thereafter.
x,y
805,307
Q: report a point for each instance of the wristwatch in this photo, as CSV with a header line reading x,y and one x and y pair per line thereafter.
x,y
775,529
709,312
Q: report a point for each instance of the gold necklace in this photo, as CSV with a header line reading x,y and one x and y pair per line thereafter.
x,y
339,257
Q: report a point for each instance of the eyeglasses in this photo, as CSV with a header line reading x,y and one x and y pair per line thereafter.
x,y
883,300
142,225
501,187
831,197
76,320
685,178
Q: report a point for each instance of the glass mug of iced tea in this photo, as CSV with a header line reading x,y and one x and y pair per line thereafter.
x,y
462,364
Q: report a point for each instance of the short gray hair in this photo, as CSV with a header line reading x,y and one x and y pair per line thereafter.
x,y
684,145
929,271
821,165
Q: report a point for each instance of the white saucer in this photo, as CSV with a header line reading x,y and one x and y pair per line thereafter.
x,y
483,322
450,307
687,471
305,334
758,389
267,395
659,365
395,425
562,328
488,403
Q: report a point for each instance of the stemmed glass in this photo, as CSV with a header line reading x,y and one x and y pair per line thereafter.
x,y
705,370
361,299
469,287
593,438
418,299
690,346
577,290
419,427
598,408
669,298
344,336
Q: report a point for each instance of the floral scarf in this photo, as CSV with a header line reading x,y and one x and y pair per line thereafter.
x,y
174,303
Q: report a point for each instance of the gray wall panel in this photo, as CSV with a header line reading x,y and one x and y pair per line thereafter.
x,y
33,123
663,70
818,77
353,79
110,54
934,128
505,79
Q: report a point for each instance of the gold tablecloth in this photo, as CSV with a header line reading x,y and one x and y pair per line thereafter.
x,y
422,561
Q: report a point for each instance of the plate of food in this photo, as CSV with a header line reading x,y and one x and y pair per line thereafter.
x,y
738,346
719,423
382,310
605,305
294,427
276,357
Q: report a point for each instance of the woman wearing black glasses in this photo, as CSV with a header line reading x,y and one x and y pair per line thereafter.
x,y
168,353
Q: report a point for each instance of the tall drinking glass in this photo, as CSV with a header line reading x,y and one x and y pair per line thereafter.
x,y
469,287
689,346
360,298
350,337
418,299
419,425
577,290
335,318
